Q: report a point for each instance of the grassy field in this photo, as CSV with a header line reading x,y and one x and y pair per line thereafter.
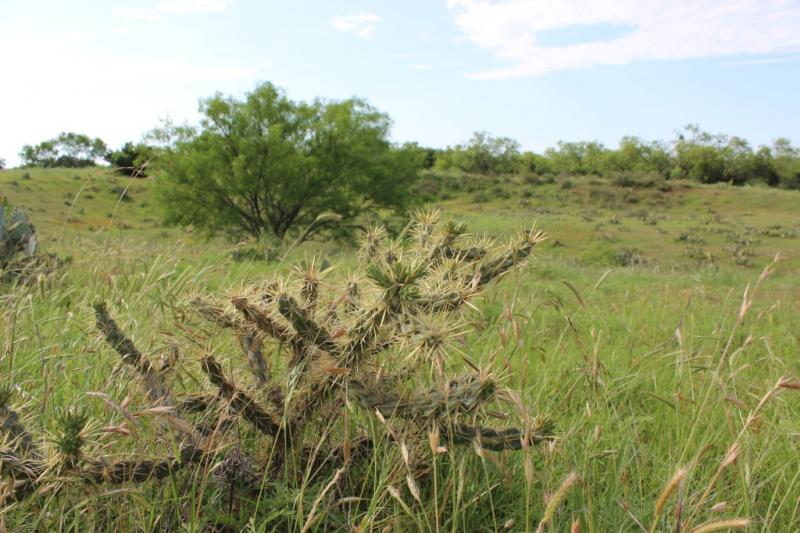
x,y
645,329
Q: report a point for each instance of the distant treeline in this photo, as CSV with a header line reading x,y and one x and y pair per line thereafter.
x,y
76,150
693,154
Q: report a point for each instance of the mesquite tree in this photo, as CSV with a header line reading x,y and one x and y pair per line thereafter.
x,y
266,165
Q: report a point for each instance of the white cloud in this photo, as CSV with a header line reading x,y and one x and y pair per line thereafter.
x,y
362,24
661,29
161,10
421,66
760,61
102,93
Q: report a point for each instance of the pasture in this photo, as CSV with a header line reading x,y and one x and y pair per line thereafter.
x,y
655,329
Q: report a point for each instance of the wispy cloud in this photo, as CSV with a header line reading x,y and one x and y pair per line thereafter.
x,y
162,10
661,29
361,24
421,66
760,61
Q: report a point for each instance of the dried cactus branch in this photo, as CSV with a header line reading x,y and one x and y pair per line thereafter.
x,y
197,403
251,345
493,439
463,395
438,408
261,320
155,388
24,475
510,259
267,422
311,332
214,313
365,335
18,436
139,470
249,340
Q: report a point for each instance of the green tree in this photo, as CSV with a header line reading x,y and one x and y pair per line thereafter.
x,y
636,155
699,155
2,163
67,150
744,165
786,162
265,165
427,156
531,162
578,157
131,159
482,154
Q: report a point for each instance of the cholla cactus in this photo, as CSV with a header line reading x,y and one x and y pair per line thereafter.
x,y
376,344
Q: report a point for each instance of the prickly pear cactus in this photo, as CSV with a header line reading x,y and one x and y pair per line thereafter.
x,y
18,247
19,234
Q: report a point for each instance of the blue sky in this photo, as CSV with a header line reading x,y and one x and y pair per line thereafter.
x,y
538,71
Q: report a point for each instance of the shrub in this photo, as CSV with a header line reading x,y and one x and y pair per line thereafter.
x,y
121,192
131,159
628,257
644,180
480,197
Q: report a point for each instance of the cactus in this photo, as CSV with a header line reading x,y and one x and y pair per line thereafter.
x,y
19,257
366,343
16,234
156,390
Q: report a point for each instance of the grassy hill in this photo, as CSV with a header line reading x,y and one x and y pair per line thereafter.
x,y
628,333
592,221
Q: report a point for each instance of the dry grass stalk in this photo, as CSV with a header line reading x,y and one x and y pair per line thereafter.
x,y
556,499
672,485
722,525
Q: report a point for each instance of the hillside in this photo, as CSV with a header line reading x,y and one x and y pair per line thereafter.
x,y
592,222
628,333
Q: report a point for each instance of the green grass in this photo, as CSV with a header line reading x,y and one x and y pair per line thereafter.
x,y
630,362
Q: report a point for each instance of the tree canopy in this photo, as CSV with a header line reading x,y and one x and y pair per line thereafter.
x,y
67,150
694,154
131,159
265,165
482,154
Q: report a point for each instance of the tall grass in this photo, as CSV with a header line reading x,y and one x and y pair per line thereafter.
x,y
643,375
673,398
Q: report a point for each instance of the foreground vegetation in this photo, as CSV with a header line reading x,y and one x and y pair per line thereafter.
x,y
629,331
